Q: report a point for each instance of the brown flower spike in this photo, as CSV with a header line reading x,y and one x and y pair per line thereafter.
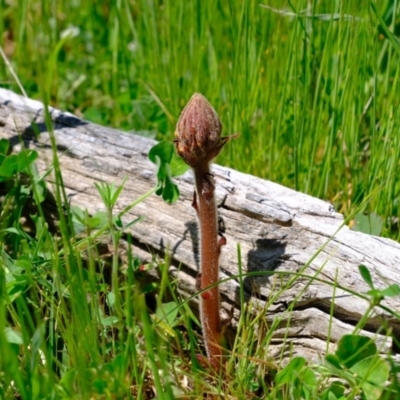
x,y
198,140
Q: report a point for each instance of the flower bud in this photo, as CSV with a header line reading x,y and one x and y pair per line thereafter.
x,y
198,132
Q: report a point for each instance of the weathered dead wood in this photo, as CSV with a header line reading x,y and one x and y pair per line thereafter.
x,y
280,231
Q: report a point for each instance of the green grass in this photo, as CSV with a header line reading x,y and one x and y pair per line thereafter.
x,y
314,95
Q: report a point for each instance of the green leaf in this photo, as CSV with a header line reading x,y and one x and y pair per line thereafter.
x,y
78,219
178,166
15,163
39,185
334,392
4,146
354,348
163,150
78,213
168,165
308,377
334,360
165,317
13,336
364,271
95,114
291,371
110,299
372,372
117,192
24,262
9,166
7,260
391,291
40,190
25,158
98,220
149,287
371,224
12,230
117,221
171,192
168,312
107,321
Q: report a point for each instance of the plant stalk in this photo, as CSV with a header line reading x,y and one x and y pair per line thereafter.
x,y
198,141
205,205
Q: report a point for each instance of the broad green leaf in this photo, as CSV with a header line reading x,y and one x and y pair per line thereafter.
x,y
7,260
164,150
95,114
9,166
168,312
108,321
160,189
118,363
78,219
334,360
171,192
178,166
291,371
364,271
4,146
334,392
354,348
98,220
168,165
15,163
25,158
308,377
110,299
13,336
371,223
372,372
78,213
391,291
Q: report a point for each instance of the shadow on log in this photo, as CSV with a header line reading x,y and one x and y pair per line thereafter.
x,y
281,232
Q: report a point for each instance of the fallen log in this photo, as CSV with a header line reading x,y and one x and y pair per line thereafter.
x,y
299,256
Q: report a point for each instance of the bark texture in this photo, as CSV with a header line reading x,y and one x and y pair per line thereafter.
x,y
280,231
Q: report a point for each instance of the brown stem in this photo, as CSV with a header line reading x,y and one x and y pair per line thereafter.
x,y
210,249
